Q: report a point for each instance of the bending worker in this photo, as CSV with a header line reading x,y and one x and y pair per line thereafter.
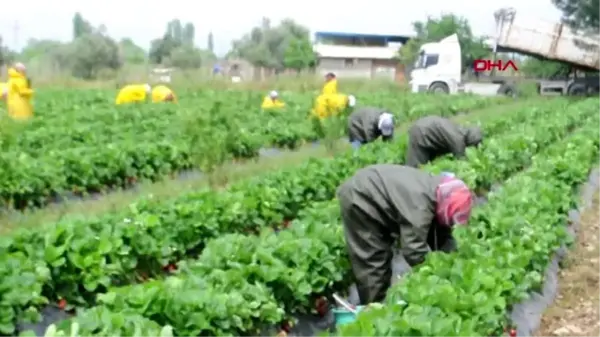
x,y
133,93
19,93
385,202
434,136
162,93
367,124
272,101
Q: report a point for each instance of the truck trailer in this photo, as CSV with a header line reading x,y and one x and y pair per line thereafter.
x,y
438,68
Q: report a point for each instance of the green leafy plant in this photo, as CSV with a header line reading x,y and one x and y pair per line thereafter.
x,y
278,274
81,143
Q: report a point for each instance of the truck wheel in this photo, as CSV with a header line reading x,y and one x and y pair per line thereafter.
x,y
439,88
577,89
507,90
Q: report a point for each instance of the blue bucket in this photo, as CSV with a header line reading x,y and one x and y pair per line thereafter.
x,y
343,316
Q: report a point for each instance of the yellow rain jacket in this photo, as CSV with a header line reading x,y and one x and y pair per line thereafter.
x,y
3,90
327,105
160,93
269,103
330,88
132,93
19,95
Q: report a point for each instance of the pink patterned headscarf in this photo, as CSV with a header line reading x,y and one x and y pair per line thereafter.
x,y
454,202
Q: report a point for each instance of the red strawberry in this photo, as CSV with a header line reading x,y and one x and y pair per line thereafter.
x,y
321,305
170,267
512,333
285,326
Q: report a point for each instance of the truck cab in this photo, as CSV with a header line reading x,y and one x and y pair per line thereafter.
x,y
438,69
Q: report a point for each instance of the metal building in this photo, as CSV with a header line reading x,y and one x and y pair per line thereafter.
x,y
359,55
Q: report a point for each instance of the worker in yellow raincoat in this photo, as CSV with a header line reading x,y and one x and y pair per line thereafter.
x,y
327,106
19,93
272,101
332,105
162,93
133,93
331,85
3,91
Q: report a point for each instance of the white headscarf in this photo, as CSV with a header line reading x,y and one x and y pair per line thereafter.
x,y
273,94
386,124
148,88
351,101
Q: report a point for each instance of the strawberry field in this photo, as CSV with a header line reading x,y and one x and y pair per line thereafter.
x,y
80,142
248,259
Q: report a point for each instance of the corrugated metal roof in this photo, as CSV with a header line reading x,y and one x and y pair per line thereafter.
x,y
383,53
387,37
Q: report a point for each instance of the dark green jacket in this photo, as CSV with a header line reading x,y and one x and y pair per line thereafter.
x,y
434,136
363,125
399,198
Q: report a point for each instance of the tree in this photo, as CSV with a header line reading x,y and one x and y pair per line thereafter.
x,y
47,54
299,54
92,53
435,29
265,45
174,43
80,26
580,14
186,57
38,48
211,42
175,30
131,53
91,50
160,49
189,34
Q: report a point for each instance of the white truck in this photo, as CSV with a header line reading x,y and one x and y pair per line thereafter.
x,y
438,68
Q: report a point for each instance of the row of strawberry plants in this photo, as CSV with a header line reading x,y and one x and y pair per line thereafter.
x,y
103,123
87,256
271,271
84,161
502,256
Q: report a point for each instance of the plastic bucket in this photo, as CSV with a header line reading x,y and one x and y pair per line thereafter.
x,y
343,316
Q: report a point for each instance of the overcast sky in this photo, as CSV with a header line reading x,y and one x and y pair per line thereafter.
x,y
144,20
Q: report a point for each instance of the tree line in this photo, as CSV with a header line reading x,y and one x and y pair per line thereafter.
x,y
286,45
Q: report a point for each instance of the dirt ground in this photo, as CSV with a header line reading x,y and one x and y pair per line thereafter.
x,y
575,311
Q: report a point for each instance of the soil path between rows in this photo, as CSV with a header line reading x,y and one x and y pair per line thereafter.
x,y
575,311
